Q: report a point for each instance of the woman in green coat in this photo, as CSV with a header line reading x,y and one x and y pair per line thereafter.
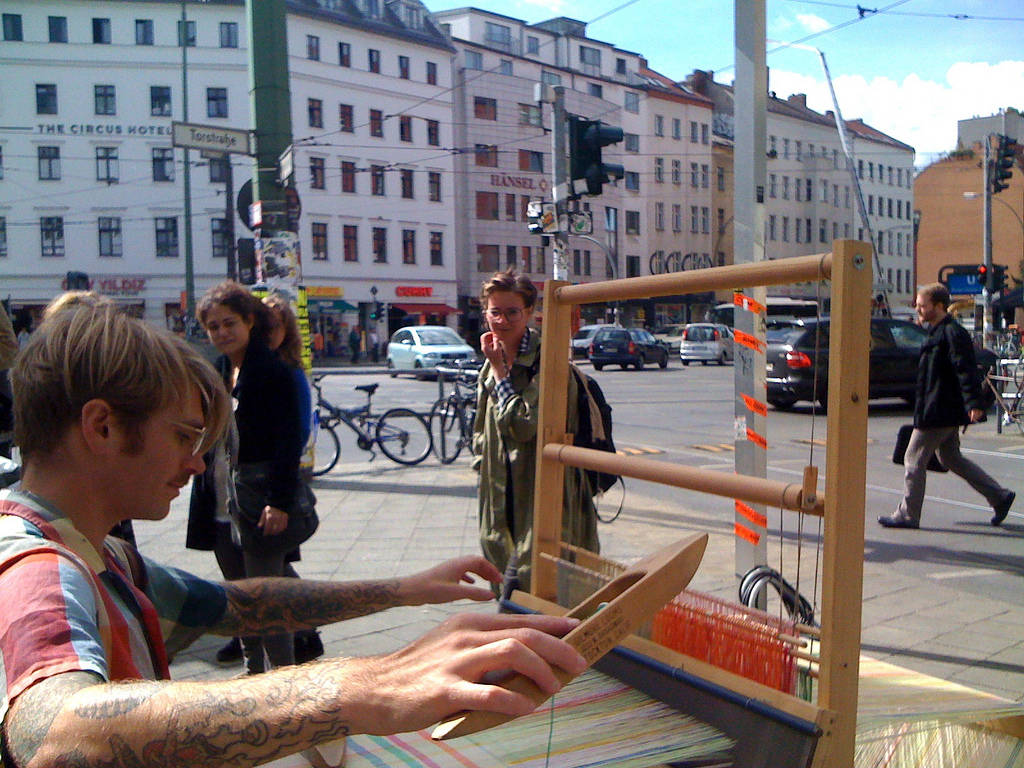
x,y
505,434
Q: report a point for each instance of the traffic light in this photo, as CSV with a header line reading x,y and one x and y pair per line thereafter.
x,y
586,139
376,311
1001,168
77,281
996,279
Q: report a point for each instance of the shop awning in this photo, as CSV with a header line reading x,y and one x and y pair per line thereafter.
x,y
332,305
427,309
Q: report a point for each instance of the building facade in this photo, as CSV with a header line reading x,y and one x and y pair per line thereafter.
x,y
92,183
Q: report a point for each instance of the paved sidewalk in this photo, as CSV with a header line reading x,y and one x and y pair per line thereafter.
x,y
379,520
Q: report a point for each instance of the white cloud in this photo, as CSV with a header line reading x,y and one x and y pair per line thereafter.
x,y
922,113
812,23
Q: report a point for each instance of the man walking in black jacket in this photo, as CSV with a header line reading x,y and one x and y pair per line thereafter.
x,y
948,397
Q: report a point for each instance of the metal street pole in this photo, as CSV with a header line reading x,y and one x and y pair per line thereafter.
x,y
611,263
987,244
555,95
190,278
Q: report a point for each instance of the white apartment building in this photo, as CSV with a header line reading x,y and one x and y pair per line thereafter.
x,y
91,182
810,196
507,155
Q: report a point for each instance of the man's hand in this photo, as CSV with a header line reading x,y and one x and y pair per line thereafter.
x,y
494,351
273,521
451,580
976,415
451,669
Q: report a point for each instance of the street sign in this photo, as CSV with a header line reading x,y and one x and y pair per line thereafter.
x,y
581,223
285,165
212,138
961,284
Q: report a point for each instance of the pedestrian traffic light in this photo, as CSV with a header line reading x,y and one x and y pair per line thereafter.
x,y
375,311
586,139
1001,168
996,279
982,275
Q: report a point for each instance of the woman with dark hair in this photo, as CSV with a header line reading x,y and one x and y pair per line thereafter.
x,y
268,418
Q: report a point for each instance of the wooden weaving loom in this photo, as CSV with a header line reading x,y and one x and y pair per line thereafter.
x,y
770,728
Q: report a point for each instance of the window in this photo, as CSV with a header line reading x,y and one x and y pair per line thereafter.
x,y
106,164
677,128
487,155
785,229
659,216
511,213
315,108
49,163
632,101
694,219
620,66
377,180
12,27
216,102
350,242
632,266
694,175
497,33
58,29
46,99
346,119
720,174
109,229
434,186
433,133
436,249
505,67
595,90
317,173
188,38
319,233
160,100
219,243
550,78
822,231
373,60
474,60
163,164
771,227
376,123
407,188
632,142
51,231
408,246
529,114
632,222
488,258
773,185
403,67
631,179
344,55
659,169
431,73
485,108
659,125
166,237
531,161
487,206
229,34
219,169
101,31
3,237
380,245
532,44
705,176
405,127
104,100
371,7
590,58
694,132
143,31
677,172
785,187
348,176
705,219
677,217
313,50
798,149
1,162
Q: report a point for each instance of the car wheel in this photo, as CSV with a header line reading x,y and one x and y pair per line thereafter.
x,y
598,366
640,362
703,362
782,403
418,370
721,359
624,366
663,363
391,368
685,362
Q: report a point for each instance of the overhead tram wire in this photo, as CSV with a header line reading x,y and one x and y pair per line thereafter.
x,y
873,11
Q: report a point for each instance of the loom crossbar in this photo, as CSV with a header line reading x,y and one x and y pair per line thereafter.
x,y
753,489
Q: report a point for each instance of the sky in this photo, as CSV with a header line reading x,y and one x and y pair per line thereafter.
x,y
910,68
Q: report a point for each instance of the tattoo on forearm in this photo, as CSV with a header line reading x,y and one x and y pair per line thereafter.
x,y
273,605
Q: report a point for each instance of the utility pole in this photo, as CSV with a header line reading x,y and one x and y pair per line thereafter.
x,y
986,243
190,278
555,96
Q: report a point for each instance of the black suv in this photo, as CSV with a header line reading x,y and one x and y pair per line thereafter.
x,y
626,347
795,354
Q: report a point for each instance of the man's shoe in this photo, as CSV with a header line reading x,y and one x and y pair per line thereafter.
x,y
1003,509
231,653
308,646
897,520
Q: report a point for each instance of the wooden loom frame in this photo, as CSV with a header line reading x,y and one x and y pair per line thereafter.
x,y
833,718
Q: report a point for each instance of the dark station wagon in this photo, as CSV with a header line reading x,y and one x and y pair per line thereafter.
x,y
627,347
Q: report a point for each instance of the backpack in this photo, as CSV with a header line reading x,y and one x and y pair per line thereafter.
x,y
594,426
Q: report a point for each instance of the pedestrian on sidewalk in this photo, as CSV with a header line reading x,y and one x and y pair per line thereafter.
x,y
374,343
948,397
505,434
354,342
113,416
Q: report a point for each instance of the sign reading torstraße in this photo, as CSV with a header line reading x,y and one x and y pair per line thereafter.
x,y
210,137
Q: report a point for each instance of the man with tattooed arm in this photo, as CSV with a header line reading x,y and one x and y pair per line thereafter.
x,y
113,417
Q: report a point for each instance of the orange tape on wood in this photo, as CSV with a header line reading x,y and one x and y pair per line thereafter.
x,y
746,340
757,439
746,534
748,303
754,406
751,514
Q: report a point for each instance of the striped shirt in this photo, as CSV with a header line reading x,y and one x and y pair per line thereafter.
x,y
69,608
503,387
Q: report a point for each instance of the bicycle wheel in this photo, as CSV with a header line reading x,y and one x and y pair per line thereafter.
x,y
444,430
403,436
326,451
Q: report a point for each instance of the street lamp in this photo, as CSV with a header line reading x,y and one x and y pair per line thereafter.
x,y
1010,208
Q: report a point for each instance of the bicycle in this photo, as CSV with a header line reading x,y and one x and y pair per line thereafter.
x,y
452,416
401,434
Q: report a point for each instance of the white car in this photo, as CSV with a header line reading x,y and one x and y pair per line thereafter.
x,y
419,347
706,343
671,335
581,341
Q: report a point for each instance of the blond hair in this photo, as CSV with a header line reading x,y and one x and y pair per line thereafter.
x,y
90,351
509,281
71,299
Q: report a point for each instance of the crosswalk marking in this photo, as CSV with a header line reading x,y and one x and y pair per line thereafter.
x,y
715,447
636,450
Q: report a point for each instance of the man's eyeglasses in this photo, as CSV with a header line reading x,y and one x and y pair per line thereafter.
x,y
196,434
511,314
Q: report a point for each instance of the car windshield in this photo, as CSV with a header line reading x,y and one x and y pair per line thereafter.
x,y
584,333
439,336
612,336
